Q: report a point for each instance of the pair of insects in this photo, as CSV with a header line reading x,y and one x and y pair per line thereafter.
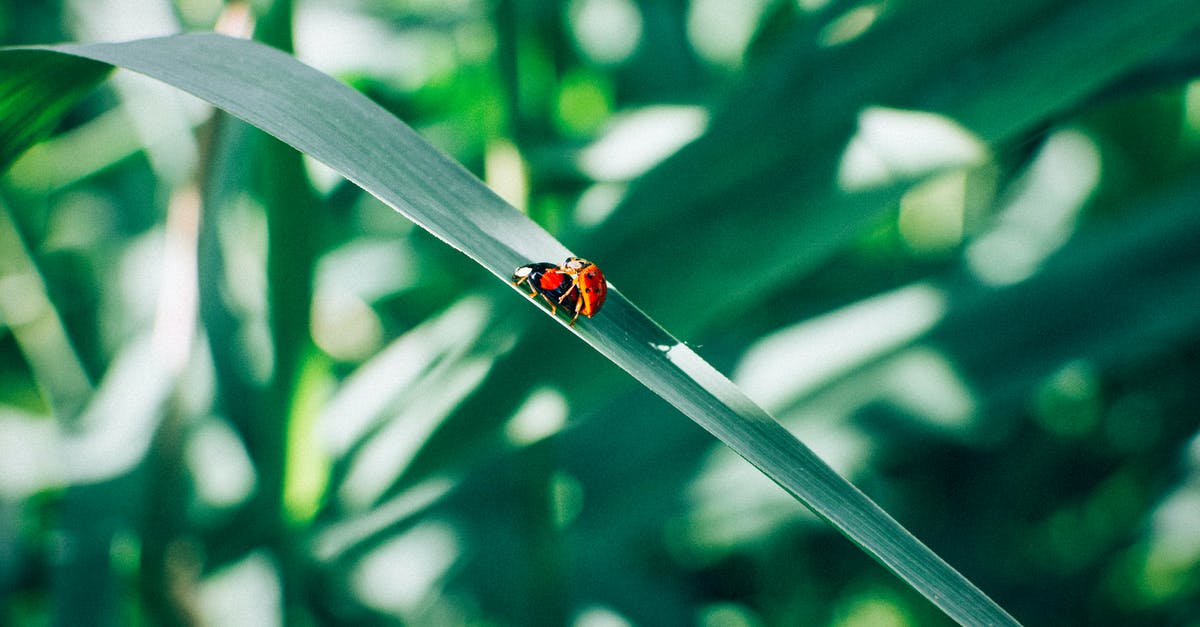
x,y
577,285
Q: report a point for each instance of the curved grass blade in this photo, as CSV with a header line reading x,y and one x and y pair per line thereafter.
x,y
336,125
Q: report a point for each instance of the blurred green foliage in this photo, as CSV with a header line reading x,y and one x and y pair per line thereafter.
x,y
953,246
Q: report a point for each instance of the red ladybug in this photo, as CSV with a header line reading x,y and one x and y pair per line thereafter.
x,y
588,283
578,285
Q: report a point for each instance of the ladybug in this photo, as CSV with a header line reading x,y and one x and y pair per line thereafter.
x,y
548,281
578,285
588,284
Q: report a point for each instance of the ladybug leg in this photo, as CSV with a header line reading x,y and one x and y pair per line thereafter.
x,y
533,293
568,292
578,307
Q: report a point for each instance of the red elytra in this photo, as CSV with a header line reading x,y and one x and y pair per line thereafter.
x,y
589,283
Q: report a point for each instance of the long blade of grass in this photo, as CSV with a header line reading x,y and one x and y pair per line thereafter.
x,y
345,130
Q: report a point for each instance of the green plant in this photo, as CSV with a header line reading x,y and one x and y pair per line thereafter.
x,y
675,225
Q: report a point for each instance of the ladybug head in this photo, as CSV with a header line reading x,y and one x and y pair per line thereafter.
x,y
576,264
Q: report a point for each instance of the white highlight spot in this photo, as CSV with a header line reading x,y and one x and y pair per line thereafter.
x,y
608,31
397,576
639,140
892,145
1041,215
246,594
220,467
794,361
543,414
721,30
